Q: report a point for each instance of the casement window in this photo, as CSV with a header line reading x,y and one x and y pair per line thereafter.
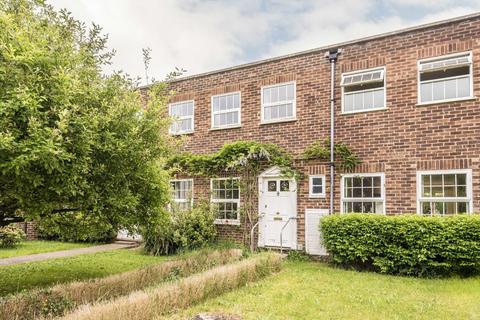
x,y
225,200
182,193
316,186
363,90
444,192
363,193
278,102
182,114
226,110
445,78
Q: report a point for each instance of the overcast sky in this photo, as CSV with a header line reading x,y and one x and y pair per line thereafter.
x,y
204,35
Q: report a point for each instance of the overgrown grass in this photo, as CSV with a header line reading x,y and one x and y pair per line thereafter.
x,y
58,299
148,304
30,275
309,290
33,247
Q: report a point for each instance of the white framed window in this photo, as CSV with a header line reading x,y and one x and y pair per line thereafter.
x,y
279,102
226,110
182,193
183,117
363,193
364,90
225,199
444,192
446,78
316,186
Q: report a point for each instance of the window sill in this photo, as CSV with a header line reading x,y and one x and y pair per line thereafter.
x,y
363,111
445,101
181,133
226,127
278,121
227,222
316,196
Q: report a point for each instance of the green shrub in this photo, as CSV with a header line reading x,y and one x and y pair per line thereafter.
x,y
10,236
76,227
180,230
404,245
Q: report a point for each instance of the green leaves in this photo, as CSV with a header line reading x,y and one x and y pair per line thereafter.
x,y
321,151
405,245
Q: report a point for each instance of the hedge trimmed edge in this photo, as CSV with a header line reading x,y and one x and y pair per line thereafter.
x,y
404,245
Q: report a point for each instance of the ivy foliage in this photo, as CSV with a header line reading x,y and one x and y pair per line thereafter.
x,y
232,157
319,150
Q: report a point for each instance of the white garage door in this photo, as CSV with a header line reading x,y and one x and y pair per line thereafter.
x,y
312,233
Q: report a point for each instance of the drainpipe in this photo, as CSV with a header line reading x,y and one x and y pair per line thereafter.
x,y
332,56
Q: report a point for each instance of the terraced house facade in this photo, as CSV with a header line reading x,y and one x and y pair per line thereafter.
x,y
405,102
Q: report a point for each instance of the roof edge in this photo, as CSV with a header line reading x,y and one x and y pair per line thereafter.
x,y
326,47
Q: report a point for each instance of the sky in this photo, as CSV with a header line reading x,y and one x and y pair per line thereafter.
x,y
205,35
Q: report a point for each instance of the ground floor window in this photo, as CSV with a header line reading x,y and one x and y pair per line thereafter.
x,y
444,192
363,193
316,186
225,199
182,193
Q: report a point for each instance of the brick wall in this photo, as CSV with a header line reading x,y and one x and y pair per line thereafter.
x,y
398,141
29,228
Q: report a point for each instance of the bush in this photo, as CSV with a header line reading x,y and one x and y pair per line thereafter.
x,y
404,245
10,236
180,230
76,227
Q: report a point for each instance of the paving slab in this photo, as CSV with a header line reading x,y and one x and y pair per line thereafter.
x,y
67,253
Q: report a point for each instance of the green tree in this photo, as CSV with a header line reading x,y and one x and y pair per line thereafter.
x,y
71,139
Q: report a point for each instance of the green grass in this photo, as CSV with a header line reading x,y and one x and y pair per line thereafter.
x,y
308,290
46,273
32,247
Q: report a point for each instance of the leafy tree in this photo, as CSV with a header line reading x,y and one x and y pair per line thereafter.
x,y
71,139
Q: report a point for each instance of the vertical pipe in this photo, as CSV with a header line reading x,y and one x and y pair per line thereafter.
x,y
332,132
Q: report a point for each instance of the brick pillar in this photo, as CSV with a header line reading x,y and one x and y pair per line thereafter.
x,y
31,230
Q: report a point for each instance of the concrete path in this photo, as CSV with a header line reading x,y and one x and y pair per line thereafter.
x,y
67,253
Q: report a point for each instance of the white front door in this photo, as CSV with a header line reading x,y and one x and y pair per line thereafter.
x,y
277,206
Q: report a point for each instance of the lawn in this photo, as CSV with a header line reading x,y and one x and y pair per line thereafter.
x,y
32,247
45,273
308,290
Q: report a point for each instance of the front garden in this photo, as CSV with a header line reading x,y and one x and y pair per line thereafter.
x,y
39,246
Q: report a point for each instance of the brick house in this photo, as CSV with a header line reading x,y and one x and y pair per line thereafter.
x,y
405,103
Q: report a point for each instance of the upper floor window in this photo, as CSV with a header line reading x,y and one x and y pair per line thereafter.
x,y
363,90
444,192
363,193
225,198
446,78
226,110
182,114
278,102
182,193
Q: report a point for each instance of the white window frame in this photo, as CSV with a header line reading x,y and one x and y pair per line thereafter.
x,y
184,200
444,57
384,72
294,103
214,113
310,186
237,201
382,190
182,118
468,198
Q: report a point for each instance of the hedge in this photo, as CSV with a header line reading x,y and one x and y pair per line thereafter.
x,y
404,245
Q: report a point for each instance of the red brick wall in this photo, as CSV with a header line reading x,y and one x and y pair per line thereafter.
x,y
29,228
397,141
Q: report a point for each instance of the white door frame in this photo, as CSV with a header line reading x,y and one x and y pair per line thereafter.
x,y
275,172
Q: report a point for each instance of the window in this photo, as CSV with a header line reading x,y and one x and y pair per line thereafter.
x,y
225,199
182,114
363,90
226,110
182,193
444,192
445,79
363,193
278,102
316,186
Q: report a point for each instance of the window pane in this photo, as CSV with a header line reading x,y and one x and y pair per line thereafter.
x,y
450,191
426,92
348,102
317,189
461,179
368,100
451,89
438,88
450,208
284,185
317,181
379,99
358,101
449,179
290,93
463,87
272,186
426,209
462,207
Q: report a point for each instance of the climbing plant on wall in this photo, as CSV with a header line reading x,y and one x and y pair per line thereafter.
x,y
320,150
